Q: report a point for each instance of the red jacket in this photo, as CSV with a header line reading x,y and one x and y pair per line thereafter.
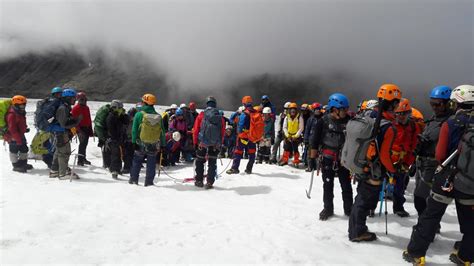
x,y
16,126
83,110
197,128
404,143
86,122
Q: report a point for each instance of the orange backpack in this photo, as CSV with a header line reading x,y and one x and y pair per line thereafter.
x,y
257,126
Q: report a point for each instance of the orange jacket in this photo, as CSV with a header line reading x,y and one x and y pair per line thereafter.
x,y
404,143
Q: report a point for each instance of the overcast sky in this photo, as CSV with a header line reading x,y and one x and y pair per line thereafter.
x,y
208,43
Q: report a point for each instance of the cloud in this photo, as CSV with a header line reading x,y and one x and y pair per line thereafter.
x,y
208,44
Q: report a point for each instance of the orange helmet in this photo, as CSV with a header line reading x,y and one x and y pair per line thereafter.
x,y
403,106
363,106
149,99
304,106
246,100
293,106
389,92
415,113
19,99
257,108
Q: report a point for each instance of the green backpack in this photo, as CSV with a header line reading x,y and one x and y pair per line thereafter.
x,y
150,128
37,143
4,106
100,123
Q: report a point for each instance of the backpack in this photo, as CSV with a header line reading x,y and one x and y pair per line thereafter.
x,y
357,142
210,133
257,127
4,106
464,180
150,128
39,139
45,112
100,122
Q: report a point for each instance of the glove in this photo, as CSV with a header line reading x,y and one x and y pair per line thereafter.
x,y
136,147
101,143
27,130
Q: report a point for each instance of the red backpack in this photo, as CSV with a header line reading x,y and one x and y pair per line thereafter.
x,y
257,126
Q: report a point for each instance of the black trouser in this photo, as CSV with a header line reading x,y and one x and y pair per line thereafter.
x,y
329,170
428,223
399,192
115,154
424,178
127,155
83,141
366,200
211,153
105,155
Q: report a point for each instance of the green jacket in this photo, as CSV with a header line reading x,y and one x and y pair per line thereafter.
x,y
137,121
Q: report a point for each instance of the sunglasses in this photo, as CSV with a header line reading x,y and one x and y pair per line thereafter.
x,y
434,104
403,113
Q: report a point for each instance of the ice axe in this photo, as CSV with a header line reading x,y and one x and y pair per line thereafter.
x,y
308,192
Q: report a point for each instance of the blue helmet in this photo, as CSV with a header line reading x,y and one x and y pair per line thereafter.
x,y
56,90
69,92
337,100
179,111
441,92
265,97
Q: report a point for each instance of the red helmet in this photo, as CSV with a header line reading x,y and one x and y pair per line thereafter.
x,y
316,106
192,106
81,95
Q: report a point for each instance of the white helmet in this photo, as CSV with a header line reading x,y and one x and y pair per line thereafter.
x,y
463,94
183,105
267,110
286,105
173,106
241,109
176,136
371,104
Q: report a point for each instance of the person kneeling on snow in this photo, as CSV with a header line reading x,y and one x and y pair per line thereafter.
x,y
173,149
208,132
15,135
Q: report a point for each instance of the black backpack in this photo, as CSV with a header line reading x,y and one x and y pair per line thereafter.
x,y
210,133
45,112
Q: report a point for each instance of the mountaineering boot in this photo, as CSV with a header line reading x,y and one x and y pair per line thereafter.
x,y
365,237
115,175
248,171
325,214
198,183
371,213
402,213
131,182
125,171
454,258
53,174
273,161
232,171
25,164
296,159
80,163
209,186
420,261
86,162
284,158
17,167
68,176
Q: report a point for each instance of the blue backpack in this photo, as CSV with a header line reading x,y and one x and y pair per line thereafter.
x,y
45,112
210,133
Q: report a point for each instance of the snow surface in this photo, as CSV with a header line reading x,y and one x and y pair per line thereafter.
x,y
262,218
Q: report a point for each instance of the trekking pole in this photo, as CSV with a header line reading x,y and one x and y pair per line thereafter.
x,y
73,167
382,195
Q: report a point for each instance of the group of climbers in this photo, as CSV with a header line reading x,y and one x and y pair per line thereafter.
x,y
380,146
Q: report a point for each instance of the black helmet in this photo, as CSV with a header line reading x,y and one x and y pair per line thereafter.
x,y
211,99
